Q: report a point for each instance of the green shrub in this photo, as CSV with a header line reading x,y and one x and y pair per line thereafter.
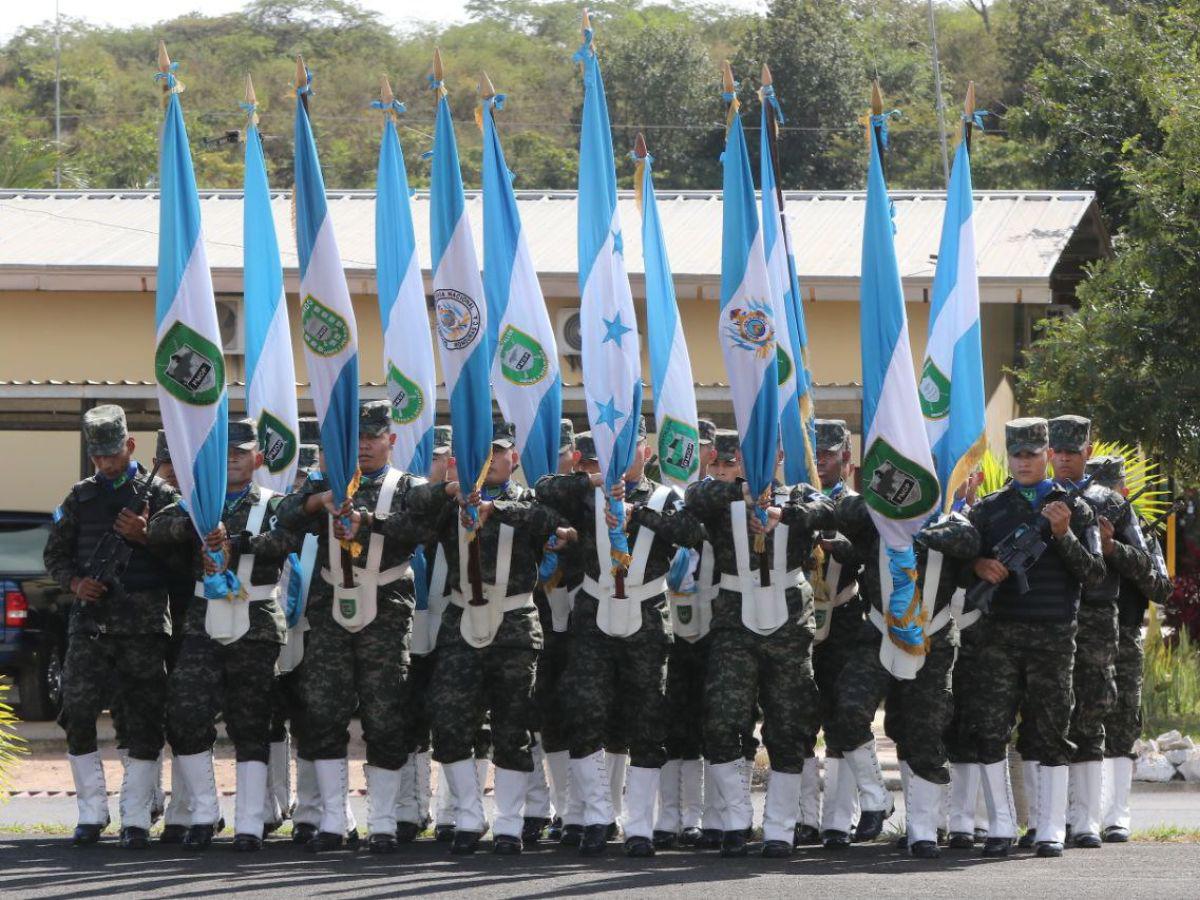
x,y
12,745
1171,684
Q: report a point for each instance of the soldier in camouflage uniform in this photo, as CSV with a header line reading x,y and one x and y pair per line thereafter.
x,y
761,643
356,653
1123,724
1027,644
487,650
618,646
227,662
120,626
840,611
1094,678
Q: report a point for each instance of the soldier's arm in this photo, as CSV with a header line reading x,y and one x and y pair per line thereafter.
x,y
534,522
292,512
953,536
853,519
842,550
1130,556
169,529
1079,547
675,524
271,546
809,511
566,493
59,555
418,516
709,500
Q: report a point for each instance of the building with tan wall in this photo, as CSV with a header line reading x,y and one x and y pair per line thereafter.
x,y
77,282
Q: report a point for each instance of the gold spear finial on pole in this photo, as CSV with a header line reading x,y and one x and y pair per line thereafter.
x,y
729,86
876,98
766,75
301,79
251,100
969,103
587,20
170,84
386,97
437,63
486,88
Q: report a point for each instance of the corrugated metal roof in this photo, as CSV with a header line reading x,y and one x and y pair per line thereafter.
x,y
1020,235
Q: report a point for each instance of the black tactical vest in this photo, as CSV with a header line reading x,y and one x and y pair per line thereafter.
x,y
98,509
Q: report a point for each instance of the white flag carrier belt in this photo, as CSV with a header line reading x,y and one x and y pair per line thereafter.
x,y
561,601
227,620
764,609
354,608
479,624
292,652
427,622
905,666
696,607
622,616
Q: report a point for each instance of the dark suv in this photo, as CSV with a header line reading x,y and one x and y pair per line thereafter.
x,y
33,631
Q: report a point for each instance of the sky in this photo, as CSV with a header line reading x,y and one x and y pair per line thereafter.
x,y
15,15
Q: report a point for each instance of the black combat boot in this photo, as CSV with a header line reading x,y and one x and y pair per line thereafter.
x,y
443,834
1116,834
776,850
926,850
996,847
532,830
690,837
87,834
710,839
465,842
554,832
1028,839
406,832
1049,848
870,825
639,847
199,837
303,832
960,840
572,835
595,840
665,840
805,836
247,843
835,840
382,844
734,843
506,845
134,838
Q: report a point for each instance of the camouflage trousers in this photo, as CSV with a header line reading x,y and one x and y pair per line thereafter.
x,y
287,705
1026,667
829,658
776,671
960,742
235,679
687,666
547,692
365,670
133,666
1094,680
1123,725
471,684
613,692
418,705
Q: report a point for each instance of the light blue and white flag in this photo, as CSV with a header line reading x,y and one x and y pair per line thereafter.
x,y
188,363
677,424
327,322
951,388
899,484
407,345
460,310
747,328
612,363
525,369
270,369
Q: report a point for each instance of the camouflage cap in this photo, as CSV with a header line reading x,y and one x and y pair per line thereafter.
x,y
442,435
585,445
1026,434
708,428
728,443
504,434
1070,433
1107,471
105,430
306,456
243,434
161,451
310,430
374,417
832,434
566,436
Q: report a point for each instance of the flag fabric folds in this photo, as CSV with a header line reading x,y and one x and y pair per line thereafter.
x,y
676,421
612,365
524,354
327,322
460,311
951,388
747,327
899,484
270,370
189,366
407,347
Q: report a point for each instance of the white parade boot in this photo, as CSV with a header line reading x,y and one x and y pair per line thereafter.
x,y
197,770
250,801
1052,809
669,800
178,813
810,794
308,795
537,791
875,799
905,776
964,790
589,776
382,785
691,793
424,787
137,797
642,786
782,807
278,804
462,778
713,815
923,811
91,795
727,777
333,782
159,804
1002,814
406,792
559,764
1117,819
838,807
444,801
618,765
511,793
1088,787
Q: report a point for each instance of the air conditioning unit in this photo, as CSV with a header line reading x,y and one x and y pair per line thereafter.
x,y
229,318
568,332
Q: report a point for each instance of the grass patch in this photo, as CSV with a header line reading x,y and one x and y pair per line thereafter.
x,y
48,828
1167,834
1171,684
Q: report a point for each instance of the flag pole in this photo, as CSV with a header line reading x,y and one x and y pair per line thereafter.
x,y
877,127
969,111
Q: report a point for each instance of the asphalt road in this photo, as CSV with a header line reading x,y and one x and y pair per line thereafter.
x,y
49,868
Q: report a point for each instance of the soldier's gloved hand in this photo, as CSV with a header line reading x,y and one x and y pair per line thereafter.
x,y
991,570
774,515
1108,546
1059,515
88,590
130,526
215,539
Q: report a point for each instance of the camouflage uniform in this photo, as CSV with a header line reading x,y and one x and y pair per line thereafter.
x,y
1027,644
745,667
124,633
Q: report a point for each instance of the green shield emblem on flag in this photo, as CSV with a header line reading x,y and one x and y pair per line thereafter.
x,y
684,612
897,487
819,616
278,442
325,332
522,359
348,606
784,362
189,366
405,396
935,391
678,446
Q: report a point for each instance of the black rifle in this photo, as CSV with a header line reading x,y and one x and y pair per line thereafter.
x,y
111,556
1177,506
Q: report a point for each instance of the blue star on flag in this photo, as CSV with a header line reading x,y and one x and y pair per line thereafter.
x,y
609,414
614,330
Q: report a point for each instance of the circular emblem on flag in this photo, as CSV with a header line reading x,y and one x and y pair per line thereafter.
x,y
189,366
406,397
750,327
935,391
784,362
278,442
897,487
325,332
457,318
522,359
678,444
